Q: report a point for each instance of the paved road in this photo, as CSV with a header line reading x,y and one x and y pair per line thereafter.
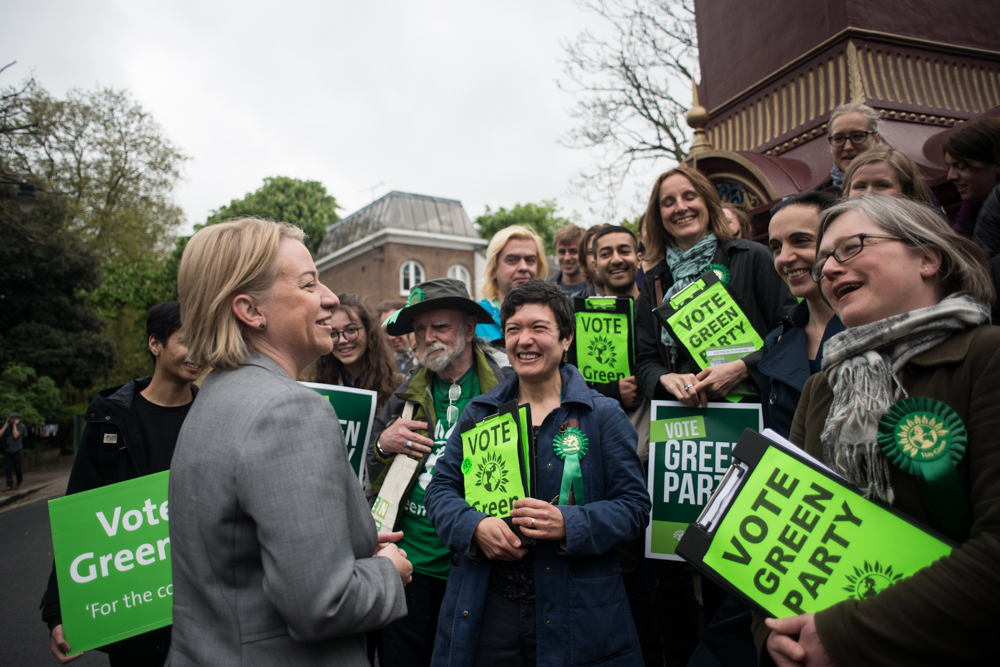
x,y
26,560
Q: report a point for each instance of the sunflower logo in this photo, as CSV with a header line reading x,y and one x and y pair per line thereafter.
x,y
678,534
870,581
492,473
922,436
602,350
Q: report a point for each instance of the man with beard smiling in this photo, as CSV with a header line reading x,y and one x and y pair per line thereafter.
x,y
131,432
455,367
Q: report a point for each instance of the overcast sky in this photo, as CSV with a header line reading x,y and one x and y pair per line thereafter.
x,y
453,99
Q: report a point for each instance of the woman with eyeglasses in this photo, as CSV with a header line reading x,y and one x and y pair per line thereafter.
x,y
361,356
973,157
851,130
914,296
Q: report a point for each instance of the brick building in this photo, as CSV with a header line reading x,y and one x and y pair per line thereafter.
x,y
382,250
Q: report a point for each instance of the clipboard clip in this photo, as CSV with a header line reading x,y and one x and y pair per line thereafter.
x,y
723,496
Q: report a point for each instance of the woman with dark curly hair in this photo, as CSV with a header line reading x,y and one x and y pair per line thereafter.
x,y
361,356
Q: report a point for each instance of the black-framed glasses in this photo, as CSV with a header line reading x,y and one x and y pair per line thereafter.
x,y
349,334
847,249
857,138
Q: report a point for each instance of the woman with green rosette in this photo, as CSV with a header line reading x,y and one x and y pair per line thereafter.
x,y
559,601
906,410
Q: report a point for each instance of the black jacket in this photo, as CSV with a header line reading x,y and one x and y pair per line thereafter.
x,y
755,286
987,231
98,464
784,367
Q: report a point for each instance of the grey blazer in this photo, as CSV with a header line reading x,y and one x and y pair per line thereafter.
x,y
270,535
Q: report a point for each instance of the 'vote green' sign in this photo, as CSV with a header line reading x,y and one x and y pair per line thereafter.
x,y
491,467
355,409
112,553
796,542
602,346
689,453
709,319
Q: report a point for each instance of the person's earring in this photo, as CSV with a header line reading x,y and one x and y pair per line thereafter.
x,y
565,357
262,326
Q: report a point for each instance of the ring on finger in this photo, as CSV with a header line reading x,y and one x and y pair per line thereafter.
x,y
532,523
687,386
409,444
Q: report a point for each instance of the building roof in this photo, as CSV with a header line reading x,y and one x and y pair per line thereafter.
x,y
402,211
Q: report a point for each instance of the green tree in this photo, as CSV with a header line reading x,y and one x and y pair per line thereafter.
x,y
540,217
35,398
304,204
44,275
107,157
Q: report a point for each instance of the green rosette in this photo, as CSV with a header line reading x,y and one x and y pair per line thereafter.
x,y
925,438
571,446
722,271
416,296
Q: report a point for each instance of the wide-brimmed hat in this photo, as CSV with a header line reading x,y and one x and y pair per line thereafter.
x,y
434,295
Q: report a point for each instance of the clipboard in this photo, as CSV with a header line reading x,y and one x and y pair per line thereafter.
x,y
787,535
481,468
602,323
704,317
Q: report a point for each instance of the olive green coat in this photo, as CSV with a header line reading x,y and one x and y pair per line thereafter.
x,y
945,614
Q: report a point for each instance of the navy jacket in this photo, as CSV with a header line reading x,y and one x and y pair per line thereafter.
x,y
784,368
580,603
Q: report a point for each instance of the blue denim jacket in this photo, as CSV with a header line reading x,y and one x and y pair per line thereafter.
x,y
580,604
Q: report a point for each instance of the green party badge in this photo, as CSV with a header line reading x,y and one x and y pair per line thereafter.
x,y
603,347
925,438
495,463
722,271
571,445
416,296
704,317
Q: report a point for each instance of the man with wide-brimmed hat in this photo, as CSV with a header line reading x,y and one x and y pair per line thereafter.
x,y
455,367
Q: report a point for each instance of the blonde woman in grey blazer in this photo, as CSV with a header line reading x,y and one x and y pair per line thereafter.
x,y
276,560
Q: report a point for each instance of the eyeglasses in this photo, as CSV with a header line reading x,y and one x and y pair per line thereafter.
x,y
857,138
847,249
349,334
454,393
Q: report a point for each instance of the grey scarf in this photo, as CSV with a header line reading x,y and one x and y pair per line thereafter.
x,y
861,364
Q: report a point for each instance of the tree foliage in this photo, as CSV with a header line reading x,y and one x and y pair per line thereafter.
x,y
304,204
107,157
35,398
45,272
632,89
540,217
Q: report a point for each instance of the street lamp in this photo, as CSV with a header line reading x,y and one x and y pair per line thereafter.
x,y
26,199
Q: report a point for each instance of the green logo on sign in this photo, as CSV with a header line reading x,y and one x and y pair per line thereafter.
x,y
922,436
492,474
466,466
602,350
871,580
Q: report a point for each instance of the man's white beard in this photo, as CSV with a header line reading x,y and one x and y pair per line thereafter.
x,y
441,361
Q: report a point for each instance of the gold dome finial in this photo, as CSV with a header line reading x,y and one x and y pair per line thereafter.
x,y
697,118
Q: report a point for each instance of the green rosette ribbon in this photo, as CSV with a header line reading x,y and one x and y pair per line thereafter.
x,y
571,446
925,438
722,271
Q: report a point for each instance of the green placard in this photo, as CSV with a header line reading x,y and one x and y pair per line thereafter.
x,y
355,409
689,453
112,553
795,541
705,317
602,347
491,465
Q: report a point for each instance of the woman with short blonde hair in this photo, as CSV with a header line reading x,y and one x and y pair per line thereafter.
x,y
264,508
864,177
497,244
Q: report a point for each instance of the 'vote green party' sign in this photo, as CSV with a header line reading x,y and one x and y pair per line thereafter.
x,y
492,461
112,553
689,453
796,541
355,409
